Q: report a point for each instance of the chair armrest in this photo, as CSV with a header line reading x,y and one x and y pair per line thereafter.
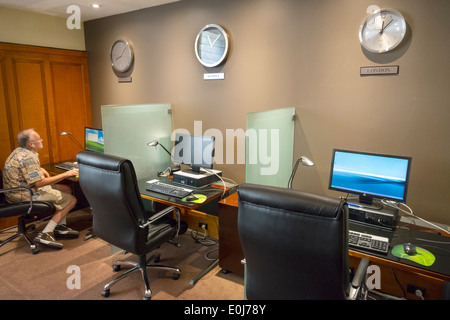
x,y
359,279
159,215
21,188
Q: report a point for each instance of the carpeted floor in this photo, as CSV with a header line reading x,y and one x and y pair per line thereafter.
x,y
50,275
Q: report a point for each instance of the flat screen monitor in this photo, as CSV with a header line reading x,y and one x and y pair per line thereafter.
x,y
194,151
93,140
370,175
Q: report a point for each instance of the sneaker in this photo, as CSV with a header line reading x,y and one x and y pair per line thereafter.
x,y
63,231
48,240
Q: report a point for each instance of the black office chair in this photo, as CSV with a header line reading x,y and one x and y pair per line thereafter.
x,y
295,245
110,186
27,211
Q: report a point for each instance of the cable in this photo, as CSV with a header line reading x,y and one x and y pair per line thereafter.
x,y
396,205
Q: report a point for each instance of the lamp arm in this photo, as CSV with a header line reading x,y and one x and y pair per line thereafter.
x,y
76,141
293,173
165,149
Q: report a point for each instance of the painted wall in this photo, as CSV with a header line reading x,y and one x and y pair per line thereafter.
x,y
304,54
23,27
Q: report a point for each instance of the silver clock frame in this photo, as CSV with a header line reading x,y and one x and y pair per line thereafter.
x,y
225,52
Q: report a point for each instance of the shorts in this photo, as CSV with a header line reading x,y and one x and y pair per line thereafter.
x,y
58,198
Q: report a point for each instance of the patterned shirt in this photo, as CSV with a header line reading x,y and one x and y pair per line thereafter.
x,y
22,169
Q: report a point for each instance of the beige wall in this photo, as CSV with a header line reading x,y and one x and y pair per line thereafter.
x,y
35,29
303,54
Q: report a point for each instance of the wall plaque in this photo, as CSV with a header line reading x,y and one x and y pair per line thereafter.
x,y
379,70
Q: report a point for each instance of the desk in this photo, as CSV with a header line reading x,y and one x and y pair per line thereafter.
x,y
190,211
73,182
392,269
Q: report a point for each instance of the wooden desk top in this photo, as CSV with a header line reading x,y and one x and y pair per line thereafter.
x,y
232,200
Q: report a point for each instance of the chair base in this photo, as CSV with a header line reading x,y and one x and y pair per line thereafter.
x,y
141,265
22,232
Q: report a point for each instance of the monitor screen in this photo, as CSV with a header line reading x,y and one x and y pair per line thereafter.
x,y
370,175
93,140
195,151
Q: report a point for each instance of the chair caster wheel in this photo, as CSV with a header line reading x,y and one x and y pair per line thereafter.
x,y
35,250
106,293
116,267
176,276
146,298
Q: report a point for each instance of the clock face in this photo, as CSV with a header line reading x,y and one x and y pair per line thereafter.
x,y
211,45
122,55
382,31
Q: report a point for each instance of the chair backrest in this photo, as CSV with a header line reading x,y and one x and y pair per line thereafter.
x,y
295,244
110,186
2,195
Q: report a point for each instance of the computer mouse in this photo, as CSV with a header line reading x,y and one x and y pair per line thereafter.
x,y
191,197
409,249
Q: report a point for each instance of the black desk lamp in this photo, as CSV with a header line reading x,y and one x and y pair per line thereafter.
x,y
154,143
64,133
305,161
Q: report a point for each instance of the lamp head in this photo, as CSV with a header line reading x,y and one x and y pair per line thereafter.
x,y
153,143
306,162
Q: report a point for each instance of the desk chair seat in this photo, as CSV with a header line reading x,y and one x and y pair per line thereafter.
x,y
27,211
110,186
295,245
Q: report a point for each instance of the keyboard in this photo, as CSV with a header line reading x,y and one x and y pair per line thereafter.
x,y
67,166
168,189
367,241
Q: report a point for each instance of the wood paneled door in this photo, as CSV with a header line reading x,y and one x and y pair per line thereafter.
x,y
46,89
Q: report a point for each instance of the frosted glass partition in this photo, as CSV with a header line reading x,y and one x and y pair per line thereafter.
x,y
269,147
127,129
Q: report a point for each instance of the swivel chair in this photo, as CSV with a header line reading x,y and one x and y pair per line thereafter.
x,y
27,211
110,186
295,245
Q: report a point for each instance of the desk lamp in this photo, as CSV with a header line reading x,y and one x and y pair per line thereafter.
x,y
305,161
64,133
154,143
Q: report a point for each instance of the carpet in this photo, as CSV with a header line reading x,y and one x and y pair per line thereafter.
x,y
82,268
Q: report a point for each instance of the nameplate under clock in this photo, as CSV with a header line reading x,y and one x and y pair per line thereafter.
x,y
214,76
124,79
379,70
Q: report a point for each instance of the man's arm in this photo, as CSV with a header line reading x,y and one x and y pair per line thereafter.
x,y
54,179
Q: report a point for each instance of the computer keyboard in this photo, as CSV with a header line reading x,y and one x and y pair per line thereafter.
x,y
367,241
168,189
67,165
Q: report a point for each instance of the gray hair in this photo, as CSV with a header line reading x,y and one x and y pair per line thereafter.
x,y
23,137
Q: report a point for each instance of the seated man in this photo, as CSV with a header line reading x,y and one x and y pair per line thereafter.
x,y
23,168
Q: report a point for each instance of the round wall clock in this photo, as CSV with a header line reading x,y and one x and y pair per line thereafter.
x,y
122,55
211,45
382,30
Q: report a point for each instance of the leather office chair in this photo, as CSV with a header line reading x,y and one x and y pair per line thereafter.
x,y
27,211
110,186
295,245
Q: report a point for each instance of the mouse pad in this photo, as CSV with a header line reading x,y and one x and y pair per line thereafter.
x,y
423,257
201,199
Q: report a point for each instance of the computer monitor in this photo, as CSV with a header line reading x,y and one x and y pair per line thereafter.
x,y
195,151
93,140
370,175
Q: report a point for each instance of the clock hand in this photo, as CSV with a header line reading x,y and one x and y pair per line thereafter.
x,y
121,54
215,40
209,41
382,28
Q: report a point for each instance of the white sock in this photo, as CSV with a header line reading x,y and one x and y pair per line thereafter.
x,y
50,226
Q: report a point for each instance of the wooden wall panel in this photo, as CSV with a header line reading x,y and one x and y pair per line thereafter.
x,y
46,89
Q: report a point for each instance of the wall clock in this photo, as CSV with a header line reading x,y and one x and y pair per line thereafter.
x,y
382,30
211,45
122,55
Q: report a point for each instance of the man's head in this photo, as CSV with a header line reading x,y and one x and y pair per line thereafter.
x,y
29,139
